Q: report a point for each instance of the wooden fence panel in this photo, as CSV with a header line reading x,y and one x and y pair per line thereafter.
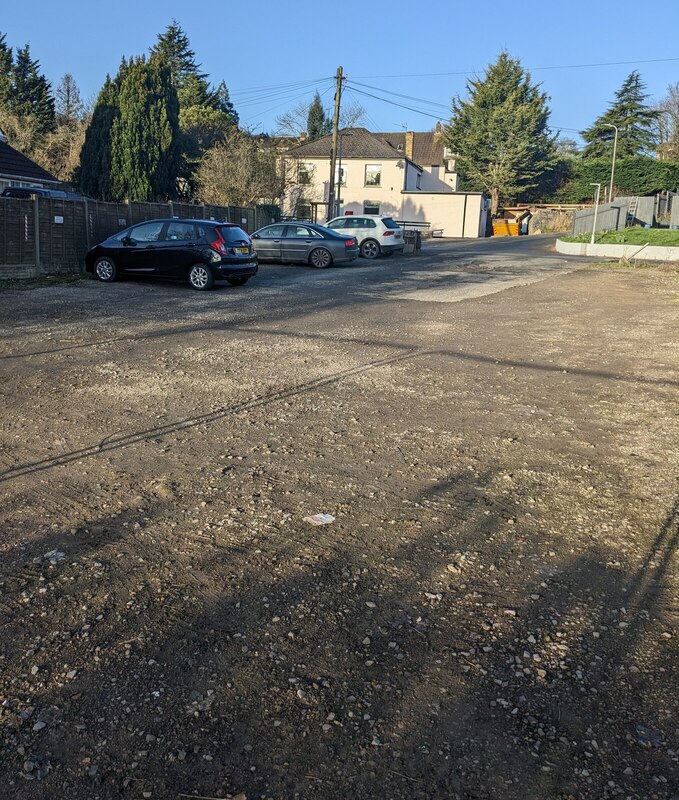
x,y
63,234
17,237
68,228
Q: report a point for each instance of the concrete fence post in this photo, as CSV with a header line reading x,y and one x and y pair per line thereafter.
x,y
36,231
88,236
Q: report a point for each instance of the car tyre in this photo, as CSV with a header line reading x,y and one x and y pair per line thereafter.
x,y
320,258
105,269
200,277
239,281
370,249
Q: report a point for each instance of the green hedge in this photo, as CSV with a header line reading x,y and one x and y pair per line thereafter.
x,y
569,181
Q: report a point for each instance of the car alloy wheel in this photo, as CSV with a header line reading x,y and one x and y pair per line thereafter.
x,y
370,249
200,277
105,270
320,258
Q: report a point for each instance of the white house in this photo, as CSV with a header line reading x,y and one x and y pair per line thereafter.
x,y
409,176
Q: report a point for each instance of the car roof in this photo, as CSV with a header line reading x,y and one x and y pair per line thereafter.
x,y
192,221
354,216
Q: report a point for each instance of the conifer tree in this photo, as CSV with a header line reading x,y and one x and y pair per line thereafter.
x,y
223,103
6,67
635,120
173,49
94,174
317,123
145,134
31,93
500,134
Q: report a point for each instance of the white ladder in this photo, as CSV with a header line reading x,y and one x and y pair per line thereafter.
x,y
632,212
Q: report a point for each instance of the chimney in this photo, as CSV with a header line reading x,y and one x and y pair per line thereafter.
x,y
410,139
438,128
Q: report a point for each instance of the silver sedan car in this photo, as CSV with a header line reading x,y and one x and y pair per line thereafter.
x,y
304,243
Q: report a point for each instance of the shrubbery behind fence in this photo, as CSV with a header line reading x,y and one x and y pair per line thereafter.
x,y
49,235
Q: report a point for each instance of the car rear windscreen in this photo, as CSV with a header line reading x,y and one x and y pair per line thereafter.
x,y
233,234
389,222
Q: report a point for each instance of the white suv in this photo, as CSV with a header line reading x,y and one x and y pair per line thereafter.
x,y
376,234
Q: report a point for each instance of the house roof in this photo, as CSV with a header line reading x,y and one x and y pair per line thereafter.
x,y
360,144
427,146
16,165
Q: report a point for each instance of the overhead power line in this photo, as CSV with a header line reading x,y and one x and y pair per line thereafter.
x,y
275,87
404,96
393,103
529,69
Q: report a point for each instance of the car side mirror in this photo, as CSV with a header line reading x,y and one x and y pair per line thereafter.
x,y
126,240
254,236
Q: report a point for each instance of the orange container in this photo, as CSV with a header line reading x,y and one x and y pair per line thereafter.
x,y
505,227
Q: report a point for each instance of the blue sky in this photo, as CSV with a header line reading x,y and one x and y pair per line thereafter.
x,y
295,47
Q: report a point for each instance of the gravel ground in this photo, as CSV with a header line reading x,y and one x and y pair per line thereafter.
x,y
492,614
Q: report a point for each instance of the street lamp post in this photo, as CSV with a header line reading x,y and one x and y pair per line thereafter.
x,y
596,209
615,147
339,170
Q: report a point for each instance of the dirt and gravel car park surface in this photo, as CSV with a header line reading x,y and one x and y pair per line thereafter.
x,y
492,614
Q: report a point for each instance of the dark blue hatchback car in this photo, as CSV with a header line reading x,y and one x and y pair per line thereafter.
x,y
195,250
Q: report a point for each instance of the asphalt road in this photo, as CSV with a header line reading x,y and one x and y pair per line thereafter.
x,y
445,271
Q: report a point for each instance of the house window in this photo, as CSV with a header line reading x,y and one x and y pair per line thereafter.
x,y
417,180
341,175
371,208
305,174
373,174
302,209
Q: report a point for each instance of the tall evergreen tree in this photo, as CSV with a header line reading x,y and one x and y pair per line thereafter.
x,y
31,92
145,157
94,173
500,133
173,49
6,67
635,120
223,103
317,123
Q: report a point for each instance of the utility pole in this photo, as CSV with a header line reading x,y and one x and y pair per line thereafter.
x,y
596,210
335,136
615,148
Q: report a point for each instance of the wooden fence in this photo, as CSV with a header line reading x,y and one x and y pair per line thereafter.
x,y
49,235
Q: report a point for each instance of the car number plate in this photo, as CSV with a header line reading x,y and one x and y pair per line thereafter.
x,y
242,250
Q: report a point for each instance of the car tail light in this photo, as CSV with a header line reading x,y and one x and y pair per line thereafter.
x,y
219,244
388,233
350,243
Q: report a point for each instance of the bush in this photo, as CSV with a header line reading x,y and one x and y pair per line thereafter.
x,y
569,181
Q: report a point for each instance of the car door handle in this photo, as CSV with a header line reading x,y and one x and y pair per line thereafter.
x,y
276,241
308,241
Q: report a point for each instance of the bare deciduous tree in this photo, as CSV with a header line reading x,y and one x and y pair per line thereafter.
x,y
241,170
57,151
69,106
668,124
294,122
23,132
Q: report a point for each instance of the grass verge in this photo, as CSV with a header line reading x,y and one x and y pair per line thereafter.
x,y
660,237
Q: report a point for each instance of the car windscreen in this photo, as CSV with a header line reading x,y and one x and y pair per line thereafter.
x,y
233,234
388,222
